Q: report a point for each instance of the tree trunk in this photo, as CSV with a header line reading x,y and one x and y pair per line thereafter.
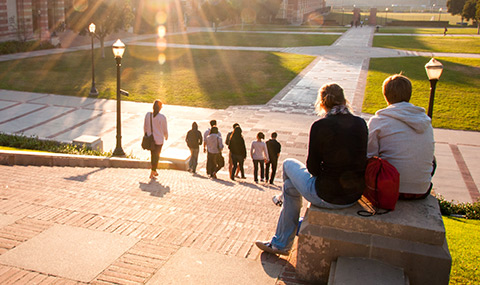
x,y
102,46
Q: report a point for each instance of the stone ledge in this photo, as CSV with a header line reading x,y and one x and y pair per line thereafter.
x,y
9,157
400,223
408,238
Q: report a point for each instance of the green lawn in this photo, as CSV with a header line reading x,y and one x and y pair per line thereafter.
x,y
457,95
287,28
201,78
409,30
392,16
429,44
463,237
253,39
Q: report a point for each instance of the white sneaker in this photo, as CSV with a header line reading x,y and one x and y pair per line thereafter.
x,y
268,247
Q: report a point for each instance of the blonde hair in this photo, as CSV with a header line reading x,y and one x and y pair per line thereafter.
x,y
329,96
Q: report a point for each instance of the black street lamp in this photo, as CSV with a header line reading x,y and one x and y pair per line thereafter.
x,y
93,90
386,16
434,69
118,50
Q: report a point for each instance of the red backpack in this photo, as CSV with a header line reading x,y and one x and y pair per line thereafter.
x,y
382,183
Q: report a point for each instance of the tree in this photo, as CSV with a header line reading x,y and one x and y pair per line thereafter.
x,y
109,16
268,9
216,12
455,7
477,16
470,12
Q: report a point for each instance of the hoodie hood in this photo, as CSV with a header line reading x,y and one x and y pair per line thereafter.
x,y
411,115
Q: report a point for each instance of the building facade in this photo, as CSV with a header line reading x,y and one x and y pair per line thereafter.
x,y
294,11
30,19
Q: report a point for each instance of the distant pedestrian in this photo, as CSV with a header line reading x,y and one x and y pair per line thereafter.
x,y
213,123
214,147
274,148
259,154
238,152
156,123
227,142
445,31
194,141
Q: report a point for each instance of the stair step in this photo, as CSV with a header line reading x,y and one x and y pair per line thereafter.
x,y
360,271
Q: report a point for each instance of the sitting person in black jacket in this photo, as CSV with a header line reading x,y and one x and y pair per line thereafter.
x,y
334,175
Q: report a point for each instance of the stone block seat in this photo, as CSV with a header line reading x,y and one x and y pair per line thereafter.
x,y
411,238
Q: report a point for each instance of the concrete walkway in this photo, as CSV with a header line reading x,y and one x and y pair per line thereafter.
x,y
180,227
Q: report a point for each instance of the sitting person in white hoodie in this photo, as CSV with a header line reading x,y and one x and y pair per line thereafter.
x,y
402,134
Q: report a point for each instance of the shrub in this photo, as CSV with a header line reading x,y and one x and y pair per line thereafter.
x,y
469,210
33,143
9,47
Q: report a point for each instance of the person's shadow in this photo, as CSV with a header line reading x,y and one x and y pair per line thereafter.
x,y
83,177
155,188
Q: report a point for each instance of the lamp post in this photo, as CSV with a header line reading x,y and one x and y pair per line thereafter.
x,y
93,90
386,16
343,13
118,50
439,13
434,69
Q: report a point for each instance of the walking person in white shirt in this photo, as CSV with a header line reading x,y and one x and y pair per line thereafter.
x,y
259,154
160,133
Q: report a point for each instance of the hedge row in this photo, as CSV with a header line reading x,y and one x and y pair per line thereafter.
x,y
33,143
467,210
19,46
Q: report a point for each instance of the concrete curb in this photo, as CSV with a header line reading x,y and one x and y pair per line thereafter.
x,y
9,157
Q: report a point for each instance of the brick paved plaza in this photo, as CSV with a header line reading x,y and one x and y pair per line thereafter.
x,y
176,211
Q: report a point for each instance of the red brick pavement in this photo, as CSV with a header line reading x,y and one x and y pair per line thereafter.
x,y
177,210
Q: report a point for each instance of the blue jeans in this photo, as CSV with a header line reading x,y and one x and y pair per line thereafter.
x,y
297,183
192,164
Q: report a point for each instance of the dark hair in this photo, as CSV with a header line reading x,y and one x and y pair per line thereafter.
x,y
397,88
157,106
274,135
235,125
329,96
194,126
214,130
260,135
237,132
213,123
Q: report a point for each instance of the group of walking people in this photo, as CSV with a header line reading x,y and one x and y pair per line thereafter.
x,y
264,154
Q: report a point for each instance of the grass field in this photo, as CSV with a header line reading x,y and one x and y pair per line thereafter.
x,y
253,39
288,28
392,16
463,237
430,44
457,95
201,78
408,30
